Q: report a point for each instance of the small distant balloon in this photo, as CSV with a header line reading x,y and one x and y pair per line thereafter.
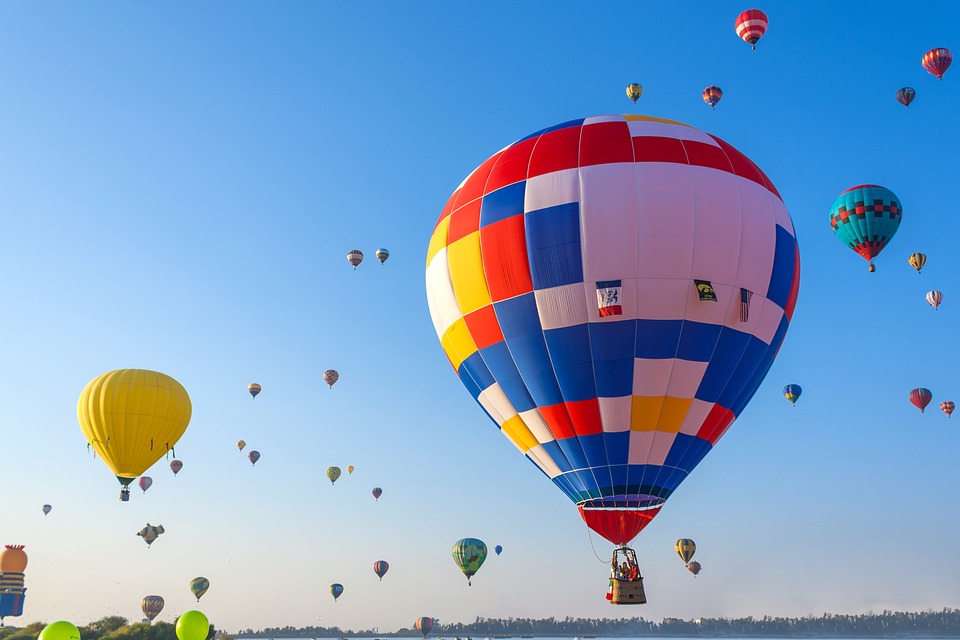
x,y
424,625
792,393
350,469
330,376
917,260
61,630
151,606
694,567
47,509
685,548
751,25
199,587
934,298
920,398
175,466
498,549
380,567
947,407
336,589
254,389
377,492
712,95
937,61
634,91
145,483
905,96
355,257
193,625
253,456
332,474
150,533
382,255
241,444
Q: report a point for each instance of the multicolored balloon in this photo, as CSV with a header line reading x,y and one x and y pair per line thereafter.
x,y
634,91
355,257
937,61
712,95
498,549
382,255
629,211
934,298
917,260
241,444
469,554
694,567
792,393
150,533
176,466
377,492
751,25
330,376
151,606
947,407
253,456
253,388
424,625
865,218
380,567
332,474
685,548
920,398
336,589
145,483
905,96
199,586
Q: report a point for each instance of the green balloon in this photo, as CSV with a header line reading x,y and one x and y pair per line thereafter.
x,y
193,625
61,630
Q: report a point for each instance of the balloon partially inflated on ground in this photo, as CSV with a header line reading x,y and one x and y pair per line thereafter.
x,y
61,630
193,625
612,292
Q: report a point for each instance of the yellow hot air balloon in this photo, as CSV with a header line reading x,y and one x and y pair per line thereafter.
x,y
350,469
132,418
634,91
917,260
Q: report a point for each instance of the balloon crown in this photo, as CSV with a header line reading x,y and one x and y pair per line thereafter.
x,y
15,547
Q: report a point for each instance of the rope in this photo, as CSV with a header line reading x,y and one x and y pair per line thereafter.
x,y
590,538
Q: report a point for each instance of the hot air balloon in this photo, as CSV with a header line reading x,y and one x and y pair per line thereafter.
x,y
175,466
355,257
469,554
947,407
380,567
253,456
751,25
150,533
865,218
131,418
694,567
47,509
498,549
151,606
241,444
712,95
917,260
619,400
934,298
333,473
382,255
336,589
634,91
199,587
145,483
792,393
254,389
937,61
377,492
330,376
13,564
350,469
905,96
685,548
424,625
920,398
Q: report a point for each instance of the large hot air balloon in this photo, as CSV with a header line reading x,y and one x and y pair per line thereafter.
x,y
332,474
937,61
792,393
132,418
336,589
685,548
917,260
145,482
424,625
934,298
152,606
380,567
254,389
199,587
905,96
751,25
377,492
176,466
253,456
694,567
612,292
920,398
355,257
498,549
634,91
150,533
712,95
469,554
865,218
330,376
947,407
13,564
382,255
241,444
47,509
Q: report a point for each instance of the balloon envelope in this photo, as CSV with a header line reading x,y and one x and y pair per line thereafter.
x,y
865,218
176,466
355,257
151,606
469,554
920,398
634,91
350,469
711,95
61,630
253,456
241,444
905,96
193,625
685,548
934,298
751,25
694,567
333,473
561,284
253,388
937,61
424,625
47,509
336,589
380,567
917,260
199,587
947,407
377,492
145,483
792,393
498,549
330,376
382,255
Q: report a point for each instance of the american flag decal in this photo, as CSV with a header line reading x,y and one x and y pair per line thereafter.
x,y
745,296
608,298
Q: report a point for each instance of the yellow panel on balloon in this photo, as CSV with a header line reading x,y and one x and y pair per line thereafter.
x,y
519,434
457,343
438,240
673,412
466,273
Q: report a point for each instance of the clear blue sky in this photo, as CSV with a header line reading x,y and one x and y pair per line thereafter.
x,y
181,182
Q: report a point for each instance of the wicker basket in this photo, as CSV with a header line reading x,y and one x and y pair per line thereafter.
x,y
628,592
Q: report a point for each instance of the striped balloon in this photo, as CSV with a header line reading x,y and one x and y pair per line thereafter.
x,y
199,586
934,298
865,218
905,96
424,625
634,91
712,95
377,492
380,567
937,61
751,25
336,589
920,398
917,260
685,548
947,407
151,606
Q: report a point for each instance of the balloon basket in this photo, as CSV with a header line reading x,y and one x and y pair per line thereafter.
x,y
628,592
626,583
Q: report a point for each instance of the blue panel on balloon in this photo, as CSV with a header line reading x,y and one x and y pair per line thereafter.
x,y
614,378
553,245
730,347
735,388
467,380
569,350
714,379
554,452
613,340
658,338
698,340
565,486
594,448
500,363
503,203
475,368
619,477
784,257
520,324
518,316
618,447
574,454
681,444
694,454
